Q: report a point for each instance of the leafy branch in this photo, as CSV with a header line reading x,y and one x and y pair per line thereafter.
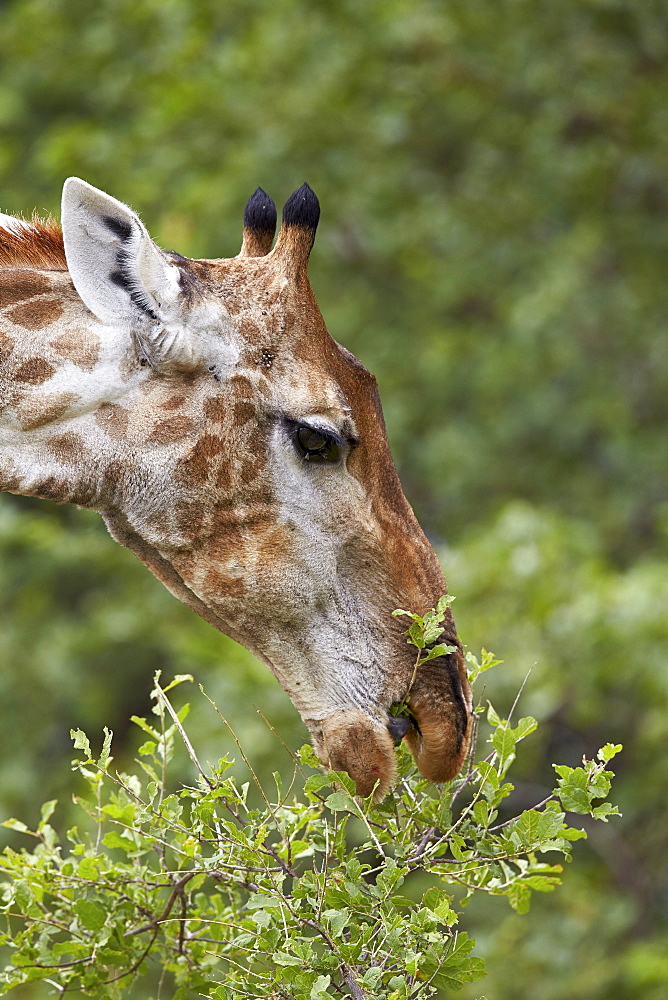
x,y
305,898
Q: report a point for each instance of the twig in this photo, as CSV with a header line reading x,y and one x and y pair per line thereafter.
x,y
177,892
186,742
518,695
345,970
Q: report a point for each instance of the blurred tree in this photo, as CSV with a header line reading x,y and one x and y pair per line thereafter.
x,y
493,247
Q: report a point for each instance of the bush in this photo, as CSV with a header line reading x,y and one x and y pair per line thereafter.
x,y
209,894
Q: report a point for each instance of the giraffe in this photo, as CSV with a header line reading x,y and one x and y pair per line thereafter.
x,y
202,408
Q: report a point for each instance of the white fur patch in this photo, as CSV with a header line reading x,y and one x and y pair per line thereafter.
x,y
10,222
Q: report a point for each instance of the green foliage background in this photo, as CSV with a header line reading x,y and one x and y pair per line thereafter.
x,y
493,246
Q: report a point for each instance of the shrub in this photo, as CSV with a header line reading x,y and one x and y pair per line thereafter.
x,y
301,897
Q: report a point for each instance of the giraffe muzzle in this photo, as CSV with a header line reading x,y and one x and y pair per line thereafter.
x,y
436,731
352,741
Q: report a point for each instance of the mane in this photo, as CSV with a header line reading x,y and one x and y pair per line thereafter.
x,y
38,243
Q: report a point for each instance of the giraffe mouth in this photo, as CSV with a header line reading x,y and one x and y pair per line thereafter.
x,y
436,729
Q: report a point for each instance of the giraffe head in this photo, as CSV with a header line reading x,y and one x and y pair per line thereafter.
x,y
202,407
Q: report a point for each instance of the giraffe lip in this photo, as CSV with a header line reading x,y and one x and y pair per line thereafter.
x,y
441,706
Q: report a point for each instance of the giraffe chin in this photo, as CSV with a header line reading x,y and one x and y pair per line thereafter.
x,y
350,740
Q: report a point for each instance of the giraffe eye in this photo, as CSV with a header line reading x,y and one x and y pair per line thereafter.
x,y
316,445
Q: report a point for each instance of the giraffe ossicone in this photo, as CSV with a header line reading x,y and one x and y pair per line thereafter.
x,y
203,409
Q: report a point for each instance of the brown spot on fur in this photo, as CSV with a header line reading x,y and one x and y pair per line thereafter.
x,y
17,285
276,543
81,347
251,468
216,409
10,477
113,419
67,447
34,371
172,429
243,413
112,480
51,489
36,314
37,412
37,244
225,586
6,346
173,402
242,387
189,519
224,478
224,545
193,470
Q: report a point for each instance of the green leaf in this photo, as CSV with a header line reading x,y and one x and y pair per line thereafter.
x,y
492,717
609,751
91,915
113,839
80,741
319,988
519,897
283,958
143,725
338,921
15,824
48,809
533,828
372,977
503,741
339,801
439,650
604,810
415,635
106,749
432,631
315,782
258,901
525,727
88,869
443,604
307,755
179,679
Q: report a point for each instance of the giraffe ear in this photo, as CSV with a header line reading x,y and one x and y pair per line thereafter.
x,y
117,269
